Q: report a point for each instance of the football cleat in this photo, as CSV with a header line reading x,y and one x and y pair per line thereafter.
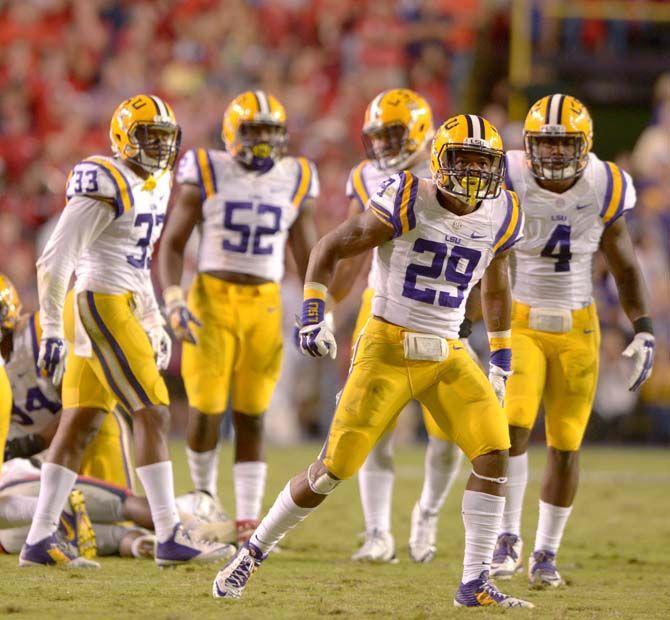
x,y
378,547
507,557
481,592
181,547
422,536
231,580
54,550
542,570
245,528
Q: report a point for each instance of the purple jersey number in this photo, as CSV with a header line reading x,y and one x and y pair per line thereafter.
x,y
461,264
245,232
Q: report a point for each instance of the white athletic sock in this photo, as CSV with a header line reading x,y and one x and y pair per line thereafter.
x,y
482,514
158,483
442,463
16,510
204,468
376,489
56,482
550,526
284,515
517,480
249,479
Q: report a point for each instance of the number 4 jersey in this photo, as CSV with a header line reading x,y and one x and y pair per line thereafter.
x,y
425,273
246,216
552,265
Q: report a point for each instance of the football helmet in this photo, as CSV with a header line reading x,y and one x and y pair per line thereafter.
x,y
467,160
10,304
254,129
558,136
398,125
144,130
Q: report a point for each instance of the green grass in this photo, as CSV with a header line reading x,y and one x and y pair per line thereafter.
x,y
614,557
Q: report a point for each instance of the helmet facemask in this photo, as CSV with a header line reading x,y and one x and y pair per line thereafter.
x,y
153,146
556,156
470,172
261,144
389,146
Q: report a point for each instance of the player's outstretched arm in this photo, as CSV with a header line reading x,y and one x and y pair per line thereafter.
x,y
182,219
302,236
617,246
496,300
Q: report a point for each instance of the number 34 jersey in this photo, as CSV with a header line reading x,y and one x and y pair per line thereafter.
x,y
246,216
552,264
424,274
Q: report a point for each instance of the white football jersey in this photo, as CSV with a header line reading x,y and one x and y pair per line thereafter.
x,y
426,272
36,401
363,181
246,215
120,258
552,265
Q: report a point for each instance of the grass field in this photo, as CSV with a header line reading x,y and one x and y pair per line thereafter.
x,y
616,557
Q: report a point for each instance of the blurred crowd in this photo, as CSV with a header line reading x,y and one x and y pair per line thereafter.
x,y
65,64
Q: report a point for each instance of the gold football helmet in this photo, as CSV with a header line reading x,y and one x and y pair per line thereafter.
x,y
558,136
144,130
254,129
467,158
10,304
398,125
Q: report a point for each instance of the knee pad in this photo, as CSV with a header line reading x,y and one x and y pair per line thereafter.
x,y
321,485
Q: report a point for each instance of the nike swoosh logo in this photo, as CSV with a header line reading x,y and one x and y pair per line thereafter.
x,y
476,236
580,207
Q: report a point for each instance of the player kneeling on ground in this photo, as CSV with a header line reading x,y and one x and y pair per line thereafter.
x,y
435,240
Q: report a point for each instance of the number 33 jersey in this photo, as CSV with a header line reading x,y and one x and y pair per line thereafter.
x,y
552,264
246,216
119,259
426,272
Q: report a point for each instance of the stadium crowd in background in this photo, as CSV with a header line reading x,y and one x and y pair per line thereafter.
x,y
65,63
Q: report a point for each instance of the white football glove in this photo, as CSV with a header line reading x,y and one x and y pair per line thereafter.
x,y
317,340
498,381
162,346
51,358
641,350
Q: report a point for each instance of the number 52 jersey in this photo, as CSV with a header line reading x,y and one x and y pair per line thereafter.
x,y
424,274
246,216
552,264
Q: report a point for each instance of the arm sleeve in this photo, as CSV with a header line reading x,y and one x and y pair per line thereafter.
x,y
80,224
393,202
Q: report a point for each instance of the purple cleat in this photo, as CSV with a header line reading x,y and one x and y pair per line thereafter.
x,y
181,548
234,576
507,557
54,550
542,570
481,592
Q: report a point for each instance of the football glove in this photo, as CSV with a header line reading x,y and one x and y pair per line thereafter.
x,y
51,359
179,316
641,350
498,380
162,346
317,340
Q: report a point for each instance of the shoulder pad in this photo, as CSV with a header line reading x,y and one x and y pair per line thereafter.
x,y
196,168
394,201
616,189
306,182
510,229
356,186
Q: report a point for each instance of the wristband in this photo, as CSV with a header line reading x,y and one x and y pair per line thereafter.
x,y
500,345
314,303
643,324
173,296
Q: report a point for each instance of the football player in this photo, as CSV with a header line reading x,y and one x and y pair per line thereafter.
x,y
247,202
574,204
10,307
397,131
435,239
113,217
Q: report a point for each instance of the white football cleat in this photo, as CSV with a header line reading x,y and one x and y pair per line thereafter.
x,y
507,560
542,570
423,535
378,547
231,580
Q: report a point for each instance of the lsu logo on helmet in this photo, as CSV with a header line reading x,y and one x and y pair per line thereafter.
x,y
558,137
144,130
467,160
254,129
398,125
10,304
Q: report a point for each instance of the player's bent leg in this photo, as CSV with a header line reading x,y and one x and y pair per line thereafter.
x,y
297,500
375,485
249,472
508,554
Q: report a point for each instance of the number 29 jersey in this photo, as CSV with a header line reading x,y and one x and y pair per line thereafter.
x,y
246,216
424,274
552,264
